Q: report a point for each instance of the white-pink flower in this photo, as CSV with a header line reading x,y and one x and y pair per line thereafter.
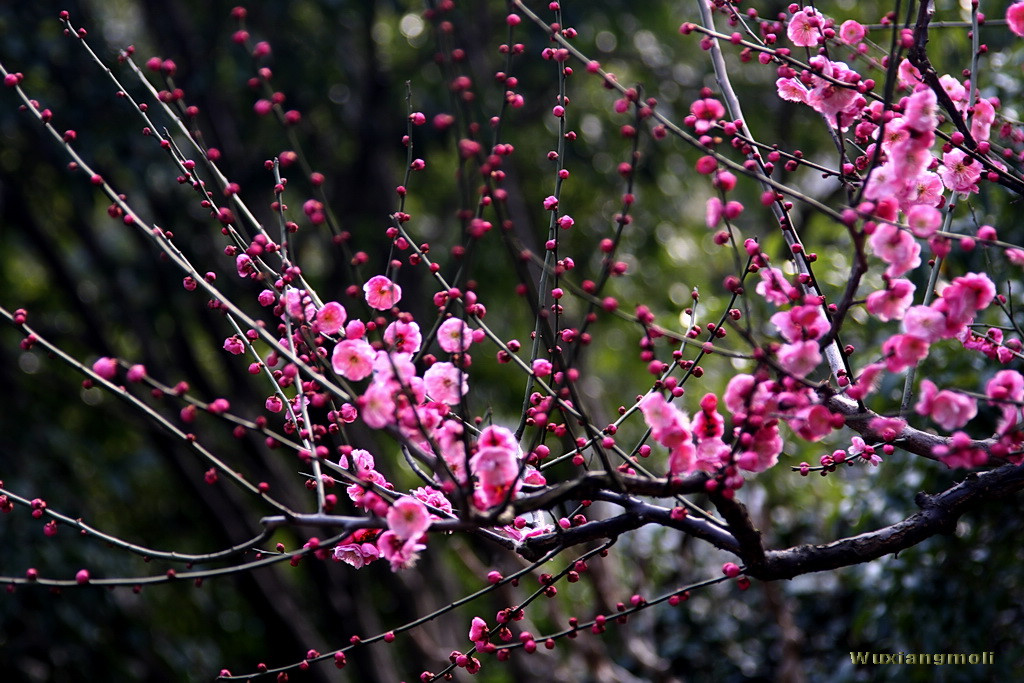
x,y
381,293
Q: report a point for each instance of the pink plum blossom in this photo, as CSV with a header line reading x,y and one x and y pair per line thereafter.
x,y
775,287
454,335
495,465
478,630
356,554
403,337
331,317
408,518
445,383
433,498
1015,18
713,212
1006,390
924,221
891,303
402,554
377,406
907,75
381,293
897,248
106,368
801,323
812,423
244,265
234,345
921,111
904,351
948,409
707,112
764,454
791,90
298,304
669,425
925,322
851,32
804,28
959,172
353,359
799,358
982,119
967,295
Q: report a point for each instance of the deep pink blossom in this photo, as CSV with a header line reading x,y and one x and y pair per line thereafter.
x,y
356,554
967,295
851,32
1006,390
446,383
706,111
377,406
897,248
408,518
106,368
925,322
331,317
402,554
403,337
959,172
478,630
766,445
1015,18
799,358
812,423
948,409
497,470
234,345
924,221
904,351
381,293
775,287
454,335
866,382
669,425
801,323
433,498
353,359
804,28
891,303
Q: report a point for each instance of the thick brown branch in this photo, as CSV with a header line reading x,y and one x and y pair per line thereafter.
x,y
638,515
938,515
